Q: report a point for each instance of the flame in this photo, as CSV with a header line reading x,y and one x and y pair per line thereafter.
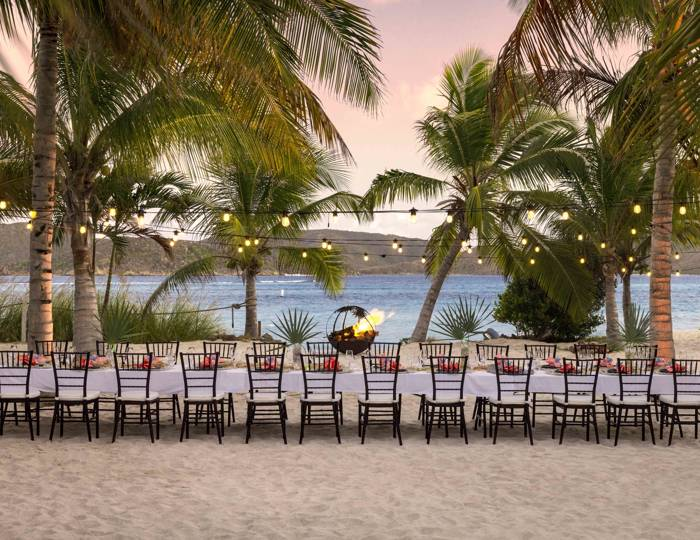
x,y
369,323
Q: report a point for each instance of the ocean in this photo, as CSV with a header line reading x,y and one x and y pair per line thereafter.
x,y
400,296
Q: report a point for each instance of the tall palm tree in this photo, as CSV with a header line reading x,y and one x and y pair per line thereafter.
x,y
239,213
261,54
568,46
481,160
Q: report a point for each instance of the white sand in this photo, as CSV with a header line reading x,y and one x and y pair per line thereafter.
x,y
71,488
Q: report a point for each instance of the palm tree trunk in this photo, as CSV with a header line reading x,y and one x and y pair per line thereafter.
x,y
661,245
39,318
420,332
108,285
626,295
86,320
612,329
251,305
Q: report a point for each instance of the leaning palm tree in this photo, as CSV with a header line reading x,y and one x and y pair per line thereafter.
x,y
252,217
482,160
569,46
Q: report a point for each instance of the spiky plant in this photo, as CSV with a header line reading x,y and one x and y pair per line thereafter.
x,y
637,326
463,319
295,326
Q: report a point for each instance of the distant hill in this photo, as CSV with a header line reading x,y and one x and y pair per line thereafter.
x,y
146,258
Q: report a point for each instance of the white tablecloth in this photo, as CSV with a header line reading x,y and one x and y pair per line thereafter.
x,y
170,381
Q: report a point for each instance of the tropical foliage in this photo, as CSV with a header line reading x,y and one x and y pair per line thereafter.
x,y
463,319
295,326
636,328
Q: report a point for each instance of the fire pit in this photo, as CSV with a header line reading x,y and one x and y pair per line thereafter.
x,y
352,328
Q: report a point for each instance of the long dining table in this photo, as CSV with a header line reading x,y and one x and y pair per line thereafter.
x,y
235,380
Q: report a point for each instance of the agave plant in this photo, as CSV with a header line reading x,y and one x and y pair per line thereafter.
x,y
463,319
295,326
636,328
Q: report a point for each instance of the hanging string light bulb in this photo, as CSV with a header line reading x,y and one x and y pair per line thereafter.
x,y
29,225
422,260
530,214
112,212
480,260
579,237
464,245
676,255
537,249
285,219
633,231
413,215
400,248
603,245
469,249
449,218
682,210
623,269
565,214
82,229
141,217
395,244
172,243
240,249
637,208
582,260
256,241
32,214
523,241
3,205
630,259
247,242
329,246
365,257
226,217
678,273
304,255
649,273
324,244
532,261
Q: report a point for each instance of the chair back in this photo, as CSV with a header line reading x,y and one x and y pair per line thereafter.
x,y
225,349
540,352
45,348
686,378
320,347
642,351
70,371
384,348
269,348
133,372
15,370
199,373
590,351
381,374
319,372
490,352
635,376
513,376
580,377
448,374
103,347
433,348
265,373
163,349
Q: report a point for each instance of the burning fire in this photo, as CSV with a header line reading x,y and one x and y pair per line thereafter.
x,y
369,323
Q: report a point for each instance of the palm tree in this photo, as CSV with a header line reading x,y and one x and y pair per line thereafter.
x,y
567,44
259,54
240,213
482,160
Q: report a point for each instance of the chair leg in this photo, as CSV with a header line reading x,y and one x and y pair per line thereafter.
x,y
397,421
231,411
359,420
283,420
86,418
420,409
62,409
498,422
303,421
217,421
554,419
429,420
185,419
158,419
464,423
336,420
595,425
651,426
365,421
528,424
53,420
38,418
96,409
618,414
2,416
117,408
563,425
150,422
249,421
28,417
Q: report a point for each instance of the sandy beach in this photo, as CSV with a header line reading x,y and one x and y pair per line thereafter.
x,y
73,489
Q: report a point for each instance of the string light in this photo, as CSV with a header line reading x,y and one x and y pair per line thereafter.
x,y
400,248
464,244
240,249
480,260
579,237
324,243
413,215
633,231
285,219
422,260
682,210
523,241
365,257
532,261
649,273
395,244
537,249
630,259
256,241
112,212
637,208
565,214
582,260
469,249
247,242
603,245
623,269
32,214
140,217
304,254
3,205
329,246
678,272
82,229
172,243
226,217
29,225
677,255
449,218
530,214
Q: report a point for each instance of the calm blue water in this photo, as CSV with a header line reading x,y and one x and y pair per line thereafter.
x,y
401,296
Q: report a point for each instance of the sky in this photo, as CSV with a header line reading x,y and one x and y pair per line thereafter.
x,y
419,37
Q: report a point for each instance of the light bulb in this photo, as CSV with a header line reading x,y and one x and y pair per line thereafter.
x,y
32,214
469,250
3,205
530,214
226,217
365,257
603,245
304,254
112,212
649,273
256,241
395,244
29,225
532,261
523,241
678,272
579,238
240,249
623,269
677,255
537,249
582,260
637,208
329,246
140,217
480,260
400,248
565,214
422,260
285,219
464,244
83,229
682,210
630,259
413,215
247,242
449,218
324,243
172,243
633,231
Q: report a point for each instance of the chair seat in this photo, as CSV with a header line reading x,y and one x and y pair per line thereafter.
x,y
205,398
77,396
445,398
33,394
377,400
138,396
266,397
575,400
686,400
320,398
515,399
631,401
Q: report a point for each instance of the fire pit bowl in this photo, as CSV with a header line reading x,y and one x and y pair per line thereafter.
x,y
350,329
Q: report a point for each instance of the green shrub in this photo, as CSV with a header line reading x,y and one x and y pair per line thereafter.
x,y
11,316
121,319
528,308
636,328
62,309
295,326
463,319
180,321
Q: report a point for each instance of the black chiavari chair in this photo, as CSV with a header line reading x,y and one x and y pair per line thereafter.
x,y
384,348
15,371
261,348
580,383
428,349
485,355
226,351
590,351
165,349
320,402
324,347
70,371
199,374
266,402
645,350
539,353
683,407
447,398
102,348
46,347
635,376
380,403
133,372
513,393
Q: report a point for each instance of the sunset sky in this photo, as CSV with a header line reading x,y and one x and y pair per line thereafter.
x,y
419,37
